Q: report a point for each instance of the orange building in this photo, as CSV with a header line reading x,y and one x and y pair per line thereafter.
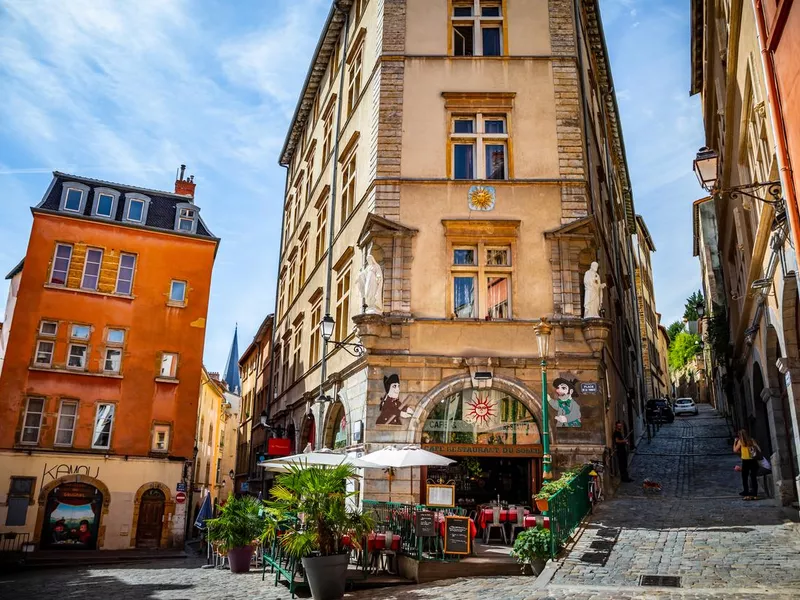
x,y
100,380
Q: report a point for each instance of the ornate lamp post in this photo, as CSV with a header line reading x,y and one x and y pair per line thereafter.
x,y
543,331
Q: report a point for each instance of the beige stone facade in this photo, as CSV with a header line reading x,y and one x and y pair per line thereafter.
x,y
480,177
748,264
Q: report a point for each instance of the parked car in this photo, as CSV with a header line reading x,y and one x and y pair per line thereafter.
x,y
659,410
685,406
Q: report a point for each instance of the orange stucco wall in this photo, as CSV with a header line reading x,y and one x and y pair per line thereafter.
x,y
152,327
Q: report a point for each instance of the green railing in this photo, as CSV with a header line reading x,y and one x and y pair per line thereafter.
x,y
567,508
401,520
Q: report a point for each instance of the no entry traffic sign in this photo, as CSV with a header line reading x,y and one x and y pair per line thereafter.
x,y
180,497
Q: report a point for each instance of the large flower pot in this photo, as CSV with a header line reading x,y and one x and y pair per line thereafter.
x,y
542,505
326,576
239,559
537,565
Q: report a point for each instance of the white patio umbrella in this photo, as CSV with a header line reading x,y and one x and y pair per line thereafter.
x,y
407,456
324,457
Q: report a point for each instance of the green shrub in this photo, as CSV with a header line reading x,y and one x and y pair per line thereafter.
x,y
532,544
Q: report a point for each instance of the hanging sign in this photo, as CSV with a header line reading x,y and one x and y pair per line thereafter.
x,y
279,447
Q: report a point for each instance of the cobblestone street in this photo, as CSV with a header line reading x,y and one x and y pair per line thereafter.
x,y
697,528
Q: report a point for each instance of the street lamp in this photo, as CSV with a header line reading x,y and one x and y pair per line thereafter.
x,y
701,309
706,168
231,474
263,418
326,328
543,331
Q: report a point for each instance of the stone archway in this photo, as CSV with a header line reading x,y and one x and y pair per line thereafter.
x,y
308,432
459,383
169,511
333,416
44,493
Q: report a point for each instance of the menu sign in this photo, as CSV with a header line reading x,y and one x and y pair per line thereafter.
x,y
441,495
457,535
425,524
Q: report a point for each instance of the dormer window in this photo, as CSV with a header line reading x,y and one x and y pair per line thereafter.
x,y
136,206
74,200
105,203
186,219
73,197
135,210
186,216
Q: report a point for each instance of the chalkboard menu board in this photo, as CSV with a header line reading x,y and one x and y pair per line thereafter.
x,y
425,525
457,536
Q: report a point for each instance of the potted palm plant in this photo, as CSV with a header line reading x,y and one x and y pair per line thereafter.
x,y
532,548
318,495
237,529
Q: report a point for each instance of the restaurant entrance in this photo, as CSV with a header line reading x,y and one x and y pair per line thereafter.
x,y
495,441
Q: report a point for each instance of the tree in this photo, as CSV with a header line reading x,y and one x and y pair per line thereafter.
x,y
674,329
692,302
683,348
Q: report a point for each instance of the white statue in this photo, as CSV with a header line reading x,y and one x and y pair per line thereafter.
x,y
370,283
594,292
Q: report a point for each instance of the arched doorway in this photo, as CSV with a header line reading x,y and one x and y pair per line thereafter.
x,y
72,516
759,426
494,439
308,433
335,427
151,519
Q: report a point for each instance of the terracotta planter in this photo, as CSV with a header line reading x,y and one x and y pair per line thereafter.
x,y
239,559
542,505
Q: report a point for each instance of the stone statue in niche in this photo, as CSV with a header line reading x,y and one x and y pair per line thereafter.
x,y
593,297
370,284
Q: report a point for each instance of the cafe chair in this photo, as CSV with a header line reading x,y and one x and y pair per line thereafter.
x,y
495,524
519,525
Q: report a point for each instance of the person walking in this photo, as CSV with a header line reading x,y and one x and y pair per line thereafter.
x,y
621,444
747,448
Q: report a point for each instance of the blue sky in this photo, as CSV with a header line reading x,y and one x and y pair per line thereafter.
x,y
127,91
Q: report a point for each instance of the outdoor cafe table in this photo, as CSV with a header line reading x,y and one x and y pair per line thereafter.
x,y
506,515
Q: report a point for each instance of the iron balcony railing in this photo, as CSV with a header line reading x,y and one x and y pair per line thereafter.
x,y
567,508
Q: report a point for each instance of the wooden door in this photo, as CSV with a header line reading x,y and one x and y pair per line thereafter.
x,y
151,519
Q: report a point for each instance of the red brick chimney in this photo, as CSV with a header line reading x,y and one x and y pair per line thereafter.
x,y
184,187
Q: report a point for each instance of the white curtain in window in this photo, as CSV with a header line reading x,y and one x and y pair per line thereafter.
x,y
102,425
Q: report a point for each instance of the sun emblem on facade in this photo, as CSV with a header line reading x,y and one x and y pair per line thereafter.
x,y
481,410
481,197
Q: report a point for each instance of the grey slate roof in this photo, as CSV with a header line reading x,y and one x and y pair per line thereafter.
x,y
16,269
160,214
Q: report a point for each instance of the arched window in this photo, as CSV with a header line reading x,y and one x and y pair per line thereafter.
x,y
480,416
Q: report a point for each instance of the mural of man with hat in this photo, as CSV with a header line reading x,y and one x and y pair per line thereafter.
x,y
392,409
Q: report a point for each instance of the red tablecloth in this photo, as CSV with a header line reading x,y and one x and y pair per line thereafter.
x,y
534,520
486,516
377,541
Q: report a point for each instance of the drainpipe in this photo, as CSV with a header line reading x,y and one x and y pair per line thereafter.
x,y
331,224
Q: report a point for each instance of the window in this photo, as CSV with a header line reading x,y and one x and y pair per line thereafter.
x,y
48,328
113,360
169,364
80,332
135,211
298,338
103,424
161,435
476,135
481,17
177,291
276,372
335,62
301,271
309,176
34,410
127,265
74,200
77,356
115,337
354,84
91,269
44,353
186,219
316,334
348,187
20,496
322,226
481,282
298,199
65,429
343,304
287,355
281,295
292,287
105,202
61,262
327,134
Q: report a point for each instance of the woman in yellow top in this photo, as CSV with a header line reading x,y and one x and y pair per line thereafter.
x,y
746,447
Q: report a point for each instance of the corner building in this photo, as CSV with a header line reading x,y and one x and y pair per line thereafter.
x,y
100,384
473,150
